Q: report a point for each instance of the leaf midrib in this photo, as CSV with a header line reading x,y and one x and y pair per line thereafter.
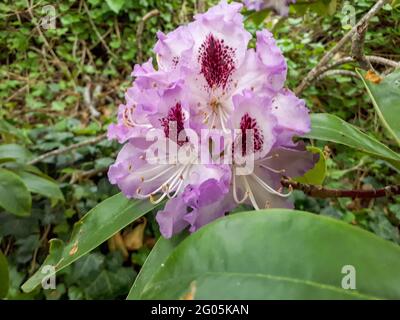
x,y
310,283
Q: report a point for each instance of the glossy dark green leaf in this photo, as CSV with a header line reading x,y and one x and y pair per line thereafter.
x,y
278,254
14,151
108,285
4,276
385,97
115,5
328,127
44,186
14,195
93,229
11,133
154,261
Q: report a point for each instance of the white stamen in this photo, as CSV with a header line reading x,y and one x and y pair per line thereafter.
x,y
269,188
251,195
222,120
213,120
159,175
273,170
235,196
165,184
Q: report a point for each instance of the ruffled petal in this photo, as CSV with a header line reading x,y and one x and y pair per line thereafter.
x,y
292,115
171,219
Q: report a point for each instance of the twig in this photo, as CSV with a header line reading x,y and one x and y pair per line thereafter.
x,y
41,241
91,99
80,176
60,151
383,61
17,93
357,47
345,60
320,192
62,65
330,73
200,6
139,33
325,59
96,31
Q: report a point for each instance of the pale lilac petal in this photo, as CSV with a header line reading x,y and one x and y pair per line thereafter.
x,y
225,23
171,219
272,58
293,162
174,48
280,6
292,115
258,110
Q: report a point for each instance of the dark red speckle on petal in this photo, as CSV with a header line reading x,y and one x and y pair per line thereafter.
x,y
176,115
217,62
249,123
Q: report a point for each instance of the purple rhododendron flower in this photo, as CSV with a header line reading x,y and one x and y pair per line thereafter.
x,y
208,79
280,6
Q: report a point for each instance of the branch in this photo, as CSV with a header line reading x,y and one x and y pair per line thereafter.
x,y
325,59
139,32
90,99
63,66
200,6
383,61
357,47
346,60
337,73
321,192
58,152
96,31
83,175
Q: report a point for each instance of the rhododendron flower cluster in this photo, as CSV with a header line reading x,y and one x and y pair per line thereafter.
x,y
280,6
212,126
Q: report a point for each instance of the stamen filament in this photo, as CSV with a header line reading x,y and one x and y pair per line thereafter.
x,y
273,170
269,188
251,195
235,196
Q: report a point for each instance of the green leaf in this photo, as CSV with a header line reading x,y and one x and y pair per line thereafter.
x,y
258,17
385,97
14,195
14,151
44,186
8,131
328,127
154,261
4,276
115,5
316,175
322,7
278,254
98,225
109,284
